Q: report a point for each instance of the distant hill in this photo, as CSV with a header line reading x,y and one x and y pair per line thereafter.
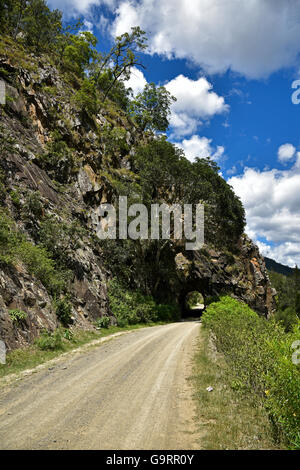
x,y
278,268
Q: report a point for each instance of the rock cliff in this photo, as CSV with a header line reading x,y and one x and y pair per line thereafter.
x,y
40,112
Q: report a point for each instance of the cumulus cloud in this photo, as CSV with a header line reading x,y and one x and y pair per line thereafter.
x,y
195,102
253,38
200,147
272,202
286,152
137,81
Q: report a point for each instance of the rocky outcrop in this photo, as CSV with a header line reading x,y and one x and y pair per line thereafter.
x,y
213,273
39,103
26,124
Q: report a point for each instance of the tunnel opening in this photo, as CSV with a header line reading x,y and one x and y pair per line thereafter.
x,y
193,305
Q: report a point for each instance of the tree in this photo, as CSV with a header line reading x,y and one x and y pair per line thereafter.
x,y
151,108
76,51
296,278
86,97
40,25
120,59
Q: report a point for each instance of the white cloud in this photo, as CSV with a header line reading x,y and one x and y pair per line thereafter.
x,y
232,170
286,253
200,147
254,38
72,8
286,152
195,102
87,26
137,81
272,202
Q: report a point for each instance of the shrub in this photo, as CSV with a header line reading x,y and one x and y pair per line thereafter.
x,y
33,205
60,239
259,353
15,197
59,160
68,334
103,322
17,316
39,263
287,317
86,97
63,310
50,341
167,312
132,307
14,246
8,238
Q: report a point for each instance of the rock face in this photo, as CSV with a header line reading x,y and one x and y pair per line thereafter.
x,y
26,125
213,273
38,104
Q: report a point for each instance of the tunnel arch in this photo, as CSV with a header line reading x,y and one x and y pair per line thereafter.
x,y
194,304
205,287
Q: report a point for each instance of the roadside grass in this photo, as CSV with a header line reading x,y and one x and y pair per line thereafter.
x,y
225,419
32,356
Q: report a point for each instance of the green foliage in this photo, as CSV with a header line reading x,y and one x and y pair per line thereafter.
x,y
151,108
115,67
132,307
14,247
75,51
39,263
38,25
194,298
59,160
3,190
63,310
15,197
259,354
165,174
50,340
68,335
33,206
167,312
17,316
114,140
103,322
285,290
60,239
287,317
9,238
6,143
288,298
86,97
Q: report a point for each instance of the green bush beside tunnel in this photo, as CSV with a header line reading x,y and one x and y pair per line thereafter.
x,y
262,362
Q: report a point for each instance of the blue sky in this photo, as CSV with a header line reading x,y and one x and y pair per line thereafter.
x,y
231,65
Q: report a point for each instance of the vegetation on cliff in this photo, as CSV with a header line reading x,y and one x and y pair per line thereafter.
x,y
88,126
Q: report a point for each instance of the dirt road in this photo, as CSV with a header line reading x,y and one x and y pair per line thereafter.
x,y
129,393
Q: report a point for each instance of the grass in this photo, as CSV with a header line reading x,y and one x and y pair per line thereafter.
x,y
226,420
32,356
